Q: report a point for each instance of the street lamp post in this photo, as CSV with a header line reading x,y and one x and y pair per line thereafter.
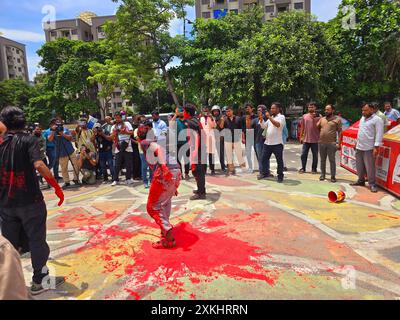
x,y
184,37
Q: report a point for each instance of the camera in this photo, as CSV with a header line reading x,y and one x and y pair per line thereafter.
x,y
59,128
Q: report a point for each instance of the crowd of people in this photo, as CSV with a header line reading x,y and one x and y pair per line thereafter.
x,y
160,155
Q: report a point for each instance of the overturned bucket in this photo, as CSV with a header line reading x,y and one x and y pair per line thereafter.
x,y
336,197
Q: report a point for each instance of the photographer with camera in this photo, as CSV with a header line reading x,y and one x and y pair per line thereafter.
x,y
101,139
65,152
121,135
84,136
87,165
51,150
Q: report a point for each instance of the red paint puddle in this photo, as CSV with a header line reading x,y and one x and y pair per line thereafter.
x,y
73,220
199,253
215,223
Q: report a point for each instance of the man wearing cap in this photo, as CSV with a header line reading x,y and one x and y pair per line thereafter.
x,y
84,136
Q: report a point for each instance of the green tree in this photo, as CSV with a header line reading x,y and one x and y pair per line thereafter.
x,y
373,45
141,37
67,63
15,92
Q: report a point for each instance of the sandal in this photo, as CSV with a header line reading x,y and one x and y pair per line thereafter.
x,y
164,244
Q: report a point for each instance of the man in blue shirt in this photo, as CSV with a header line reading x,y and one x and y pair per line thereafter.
x,y
51,150
159,126
391,114
64,151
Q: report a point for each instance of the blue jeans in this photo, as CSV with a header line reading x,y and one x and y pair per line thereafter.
x,y
106,158
145,169
268,151
259,153
53,160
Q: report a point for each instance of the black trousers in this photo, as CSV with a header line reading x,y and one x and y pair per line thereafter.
x,y
221,152
200,175
304,155
137,163
28,224
184,163
211,161
123,158
277,151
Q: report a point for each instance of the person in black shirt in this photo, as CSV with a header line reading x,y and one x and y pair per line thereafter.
x,y
198,152
233,139
259,137
22,207
103,144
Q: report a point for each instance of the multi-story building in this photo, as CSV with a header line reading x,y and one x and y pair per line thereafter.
x,y
87,27
214,9
13,63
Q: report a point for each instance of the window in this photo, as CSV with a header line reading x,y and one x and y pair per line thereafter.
x,y
270,9
74,32
53,33
20,69
19,60
234,11
205,2
18,51
206,15
220,1
298,5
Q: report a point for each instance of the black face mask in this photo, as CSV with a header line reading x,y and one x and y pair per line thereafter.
x,y
37,134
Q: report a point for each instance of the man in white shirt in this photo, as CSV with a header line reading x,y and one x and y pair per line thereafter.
x,y
121,135
370,136
273,142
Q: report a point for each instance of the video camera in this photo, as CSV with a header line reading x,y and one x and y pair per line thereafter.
x,y
59,128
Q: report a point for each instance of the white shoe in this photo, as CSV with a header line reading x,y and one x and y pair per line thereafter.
x,y
115,183
130,182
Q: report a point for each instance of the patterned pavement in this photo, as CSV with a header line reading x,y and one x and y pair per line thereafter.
x,y
249,240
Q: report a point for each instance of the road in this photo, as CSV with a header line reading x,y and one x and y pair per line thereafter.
x,y
249,240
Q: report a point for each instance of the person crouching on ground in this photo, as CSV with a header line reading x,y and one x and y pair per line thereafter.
x,y
87,165
166,179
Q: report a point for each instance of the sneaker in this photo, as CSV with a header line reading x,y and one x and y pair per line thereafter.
x,y
198,196
115,183
76,182
249,171
38,288
358,184
314,172
301,171
374,189
262,177
129,182
333,180
322,178
213,173
66,185
195,191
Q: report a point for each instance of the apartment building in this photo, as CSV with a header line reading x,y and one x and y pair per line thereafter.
x,y
86,27
214,9
13,63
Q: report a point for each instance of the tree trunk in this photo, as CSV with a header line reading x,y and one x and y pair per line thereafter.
x,y
170,86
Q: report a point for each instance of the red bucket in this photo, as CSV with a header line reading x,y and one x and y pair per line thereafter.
x,y
336,197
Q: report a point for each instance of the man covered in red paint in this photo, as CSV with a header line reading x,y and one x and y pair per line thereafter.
x,y
166,179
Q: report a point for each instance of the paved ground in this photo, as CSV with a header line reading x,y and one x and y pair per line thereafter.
x,y
249,240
